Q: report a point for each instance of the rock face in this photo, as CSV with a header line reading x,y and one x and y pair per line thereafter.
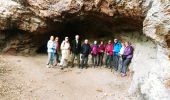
x,y
25,23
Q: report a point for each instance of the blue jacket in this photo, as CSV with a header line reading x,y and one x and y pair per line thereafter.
x,y
117,47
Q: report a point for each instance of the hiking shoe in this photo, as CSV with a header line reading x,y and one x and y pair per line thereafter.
x,y
61,68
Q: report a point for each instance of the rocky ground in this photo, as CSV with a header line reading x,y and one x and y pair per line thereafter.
x,y
27,78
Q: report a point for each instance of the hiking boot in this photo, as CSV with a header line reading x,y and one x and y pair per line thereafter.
x,y
72,65
61,68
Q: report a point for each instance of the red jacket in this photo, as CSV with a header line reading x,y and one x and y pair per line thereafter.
x,y
109,49
101,48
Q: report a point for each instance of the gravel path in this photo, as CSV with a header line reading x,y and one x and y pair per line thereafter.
x,y
27,78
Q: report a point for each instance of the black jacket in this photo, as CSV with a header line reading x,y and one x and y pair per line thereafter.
x,y
76,48
85,49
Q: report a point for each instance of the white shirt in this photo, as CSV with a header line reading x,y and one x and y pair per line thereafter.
x,y
122,50
77,41
50,46
65,45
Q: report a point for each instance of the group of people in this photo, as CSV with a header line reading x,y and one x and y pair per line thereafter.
x,y
118,55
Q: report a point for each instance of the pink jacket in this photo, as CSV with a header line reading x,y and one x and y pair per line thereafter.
x,y
109,49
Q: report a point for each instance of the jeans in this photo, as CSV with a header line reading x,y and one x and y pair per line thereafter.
x,y
94,60
100,59
84,61
108,61
126,62
57,57
116,62
73,58
120,64
50,60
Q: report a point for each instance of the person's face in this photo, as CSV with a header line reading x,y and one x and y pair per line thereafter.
x,y
77,37
52,38
101,42
56,39
66,39
126,44
95,42
86,41
123,44
115,40
109,42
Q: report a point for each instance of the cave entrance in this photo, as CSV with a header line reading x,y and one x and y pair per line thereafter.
x,y
92,27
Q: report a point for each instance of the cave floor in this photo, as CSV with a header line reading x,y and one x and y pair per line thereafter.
x,y
27,78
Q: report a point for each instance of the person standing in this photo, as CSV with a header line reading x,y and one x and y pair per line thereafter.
x,y
57,61
50,50
127,57
65,52
94,53
75,49
101,50
85,51
116,50
109,54
120,57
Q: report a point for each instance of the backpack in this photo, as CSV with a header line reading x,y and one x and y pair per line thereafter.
x,y
94,50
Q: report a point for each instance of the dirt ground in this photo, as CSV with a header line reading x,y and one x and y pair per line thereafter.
x,y
27,78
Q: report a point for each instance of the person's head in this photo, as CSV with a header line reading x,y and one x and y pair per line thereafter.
x,y
77,37
51,38
101,42
56,39
86,41
95,42
127,44
123,43
66,39
109,42
115,40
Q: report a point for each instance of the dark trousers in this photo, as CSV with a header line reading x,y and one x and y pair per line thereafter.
x,y
108,61
116,62
84,61
73,58
94,60
100,59
125,63
57,57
